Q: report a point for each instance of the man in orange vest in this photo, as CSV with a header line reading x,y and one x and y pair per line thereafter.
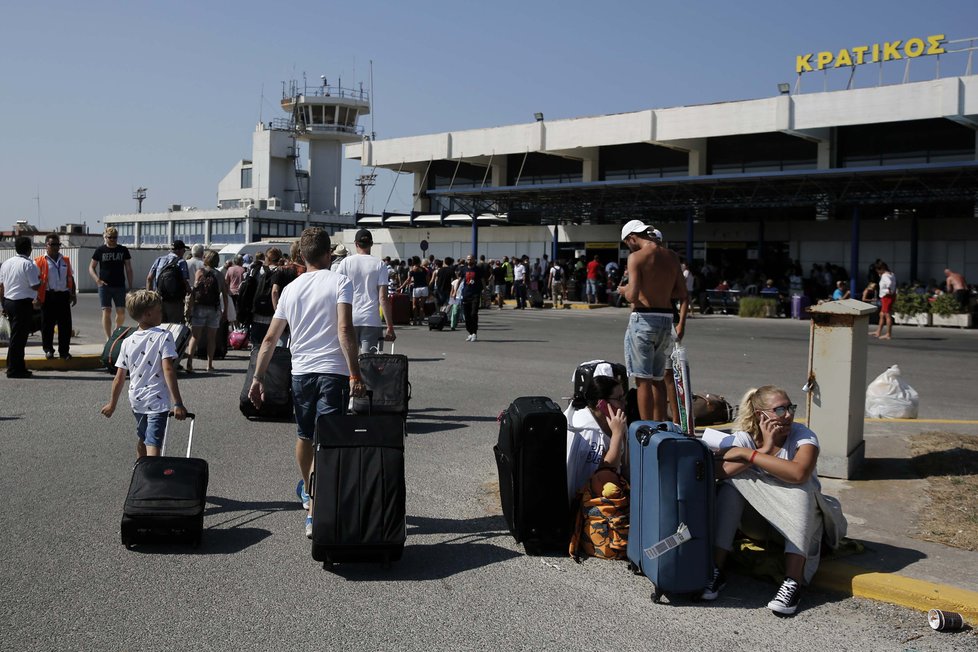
x,y
56,295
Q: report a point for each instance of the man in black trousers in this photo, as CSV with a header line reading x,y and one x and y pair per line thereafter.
x,y
57,296
19,280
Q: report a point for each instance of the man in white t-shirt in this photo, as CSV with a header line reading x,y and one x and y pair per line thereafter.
x,y
318,309
370,278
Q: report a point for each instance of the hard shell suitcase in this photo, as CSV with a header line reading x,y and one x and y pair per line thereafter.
x,y
586,371
358,489
277,384
181,336
385,376
531,457
166,498
401,310
110,352
671,484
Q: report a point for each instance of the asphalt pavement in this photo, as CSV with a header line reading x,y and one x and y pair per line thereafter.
x,y
66,582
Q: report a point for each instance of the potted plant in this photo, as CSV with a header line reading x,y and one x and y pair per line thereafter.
x,y
911,308
946,311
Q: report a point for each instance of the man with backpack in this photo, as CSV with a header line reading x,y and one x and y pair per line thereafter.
x,y
170,277
557,284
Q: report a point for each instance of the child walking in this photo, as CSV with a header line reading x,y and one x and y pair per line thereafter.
x,y
149,356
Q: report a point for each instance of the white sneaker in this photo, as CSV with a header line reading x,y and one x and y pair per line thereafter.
x,y
474,337
468,338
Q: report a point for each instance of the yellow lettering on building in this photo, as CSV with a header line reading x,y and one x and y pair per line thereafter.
x,y
875,53
914,48
934,44
891,51
803,63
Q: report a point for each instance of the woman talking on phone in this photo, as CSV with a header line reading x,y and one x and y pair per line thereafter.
x,y
770,483
595,432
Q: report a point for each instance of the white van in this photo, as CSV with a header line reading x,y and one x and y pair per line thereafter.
x,y
230,251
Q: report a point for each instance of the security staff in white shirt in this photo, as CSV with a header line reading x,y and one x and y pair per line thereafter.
x,y
19,281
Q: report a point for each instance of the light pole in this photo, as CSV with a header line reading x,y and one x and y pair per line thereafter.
x,y
139,194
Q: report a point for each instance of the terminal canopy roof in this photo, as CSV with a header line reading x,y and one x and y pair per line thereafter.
x,y
615,201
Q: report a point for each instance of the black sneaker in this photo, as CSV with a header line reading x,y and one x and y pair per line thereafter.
x,y
786,600
717,584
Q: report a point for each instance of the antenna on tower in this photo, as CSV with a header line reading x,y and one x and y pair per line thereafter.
x,y
373,104
37,199
261,103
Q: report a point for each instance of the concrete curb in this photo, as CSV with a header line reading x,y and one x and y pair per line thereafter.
x,y
896,589
82,362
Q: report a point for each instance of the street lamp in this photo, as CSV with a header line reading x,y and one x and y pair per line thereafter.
x,y
139,194
784,88
538,116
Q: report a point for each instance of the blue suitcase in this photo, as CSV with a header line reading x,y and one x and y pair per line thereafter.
x,y
672,482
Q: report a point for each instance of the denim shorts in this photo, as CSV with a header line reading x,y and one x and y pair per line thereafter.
x,y
107,295
314,395
647,340
592,286
206,317
150,428
370,338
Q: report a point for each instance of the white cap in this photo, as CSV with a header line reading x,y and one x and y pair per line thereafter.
x,y
634,226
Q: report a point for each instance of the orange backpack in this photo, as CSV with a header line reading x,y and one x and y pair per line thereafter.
x,y
601,525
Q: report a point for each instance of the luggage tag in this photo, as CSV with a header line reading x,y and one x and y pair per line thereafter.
x,y
681,536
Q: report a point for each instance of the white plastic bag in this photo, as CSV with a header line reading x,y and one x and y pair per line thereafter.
x,y
890,397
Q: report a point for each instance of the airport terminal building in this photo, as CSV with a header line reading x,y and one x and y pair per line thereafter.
x,y
845,177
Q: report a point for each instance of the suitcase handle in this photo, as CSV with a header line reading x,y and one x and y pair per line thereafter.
x,y
190,437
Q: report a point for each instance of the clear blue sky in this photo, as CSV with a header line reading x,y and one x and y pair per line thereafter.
x,y
101,97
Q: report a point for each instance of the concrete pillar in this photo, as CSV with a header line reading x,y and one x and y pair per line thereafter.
x,y
824,161
325,169
854,252
591,168
697,159
837,384
500,169
421,204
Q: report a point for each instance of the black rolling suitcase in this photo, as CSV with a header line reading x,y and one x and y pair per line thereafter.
x,y
166,498
220,345
278,387
437,321
531,456
385,376
358,490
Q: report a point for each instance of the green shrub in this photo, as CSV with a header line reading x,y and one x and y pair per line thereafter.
x,y
909,303
757,307
945,305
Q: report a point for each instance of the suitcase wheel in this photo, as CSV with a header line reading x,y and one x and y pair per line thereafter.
x,y
634,569
656,594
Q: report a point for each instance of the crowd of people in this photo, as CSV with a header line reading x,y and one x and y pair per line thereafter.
x,y
326,305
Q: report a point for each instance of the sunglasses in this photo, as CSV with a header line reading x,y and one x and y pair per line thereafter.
x,y
54,244
782,410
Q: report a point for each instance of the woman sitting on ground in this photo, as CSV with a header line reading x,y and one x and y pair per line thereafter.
x,y
770,482
596,433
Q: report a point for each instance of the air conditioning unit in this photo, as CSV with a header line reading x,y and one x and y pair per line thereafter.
x,y
274,203
262,204
246,203
175,208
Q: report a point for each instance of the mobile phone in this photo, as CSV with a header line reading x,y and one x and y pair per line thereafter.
x,y
604,407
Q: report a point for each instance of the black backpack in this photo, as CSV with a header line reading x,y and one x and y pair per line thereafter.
x,y
207,292
263,294
170,282
246,295
558,274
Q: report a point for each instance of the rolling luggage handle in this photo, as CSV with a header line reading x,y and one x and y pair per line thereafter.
x,y
190,439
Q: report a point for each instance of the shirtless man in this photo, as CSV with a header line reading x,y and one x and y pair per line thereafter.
x,y
955,285
655,279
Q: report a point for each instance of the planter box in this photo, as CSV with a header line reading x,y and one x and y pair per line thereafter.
x,y
960,320
920,319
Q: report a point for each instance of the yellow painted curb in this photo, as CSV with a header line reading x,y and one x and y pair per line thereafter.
x,y
77,363
587,306
896,589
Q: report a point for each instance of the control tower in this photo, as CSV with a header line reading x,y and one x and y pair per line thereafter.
x,y
326,117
